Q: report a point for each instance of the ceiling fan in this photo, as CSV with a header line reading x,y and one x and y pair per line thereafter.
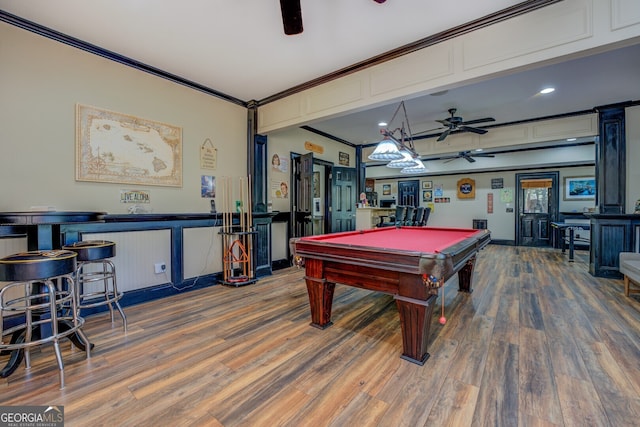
x,y
467,155
292,16
457,123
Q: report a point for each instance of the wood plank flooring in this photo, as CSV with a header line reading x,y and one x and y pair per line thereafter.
x,y
539,342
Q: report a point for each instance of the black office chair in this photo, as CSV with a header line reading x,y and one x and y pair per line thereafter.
x,y
419,215
408,219
425,218
398,219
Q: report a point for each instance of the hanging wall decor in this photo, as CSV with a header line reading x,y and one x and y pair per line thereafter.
x,y
466,188
208,155
119,148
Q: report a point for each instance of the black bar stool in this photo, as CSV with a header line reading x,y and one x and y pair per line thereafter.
x,y
96,276
41,305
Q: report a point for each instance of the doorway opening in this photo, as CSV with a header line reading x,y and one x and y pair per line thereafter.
x,y
323,196
537,202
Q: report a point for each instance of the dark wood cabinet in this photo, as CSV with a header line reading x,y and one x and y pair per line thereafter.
x,y
262,255
610,235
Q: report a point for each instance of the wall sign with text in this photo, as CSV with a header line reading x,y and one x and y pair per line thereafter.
x,y
466,188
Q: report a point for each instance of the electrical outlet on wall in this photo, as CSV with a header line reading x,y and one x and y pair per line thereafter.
x,y
160,267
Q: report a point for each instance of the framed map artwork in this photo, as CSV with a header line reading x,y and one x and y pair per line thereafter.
x,y
118,148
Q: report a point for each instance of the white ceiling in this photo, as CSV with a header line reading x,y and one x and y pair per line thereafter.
x,y
238,48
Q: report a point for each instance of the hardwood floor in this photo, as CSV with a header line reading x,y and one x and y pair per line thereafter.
x,y
539,342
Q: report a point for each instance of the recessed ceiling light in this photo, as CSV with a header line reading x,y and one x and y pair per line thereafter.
x,y
547,90
571,139
381,124
478,149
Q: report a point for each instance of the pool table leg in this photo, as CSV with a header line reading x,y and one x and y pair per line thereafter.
x,y
320,301
465,274
415,322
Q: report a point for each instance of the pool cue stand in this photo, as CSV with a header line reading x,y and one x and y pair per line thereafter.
x,y
237,233
236,262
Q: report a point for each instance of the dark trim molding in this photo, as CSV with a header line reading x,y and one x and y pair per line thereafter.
x,y
327,135
517,122
502,15
492,171
96,50
502,242
281,264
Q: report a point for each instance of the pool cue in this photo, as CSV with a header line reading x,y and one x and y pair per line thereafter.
x,y
229,226
223,208
250,221
241,238
227,255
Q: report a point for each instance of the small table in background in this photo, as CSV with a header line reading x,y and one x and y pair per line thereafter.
x,y
560,228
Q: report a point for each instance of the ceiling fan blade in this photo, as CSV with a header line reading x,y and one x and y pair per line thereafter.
x,y
474,130
468,158
444,135
450,160
291,16
427,131
483,155
473,122
445,122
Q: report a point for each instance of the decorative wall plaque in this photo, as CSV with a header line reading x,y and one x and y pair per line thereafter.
x,y
208,155
115,147
466,188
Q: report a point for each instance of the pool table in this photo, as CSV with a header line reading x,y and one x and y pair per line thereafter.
x,y
410,263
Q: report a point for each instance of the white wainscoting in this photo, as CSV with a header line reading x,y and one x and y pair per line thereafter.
x,y
202,250
136,254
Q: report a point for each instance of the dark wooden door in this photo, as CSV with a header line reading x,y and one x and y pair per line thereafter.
x,y
408,192
343,199
537,200
302,206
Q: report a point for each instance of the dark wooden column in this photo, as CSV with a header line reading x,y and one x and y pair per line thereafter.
x,y
256,159
361,169
611,159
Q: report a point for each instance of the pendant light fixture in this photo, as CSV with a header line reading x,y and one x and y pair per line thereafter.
x,y
397,146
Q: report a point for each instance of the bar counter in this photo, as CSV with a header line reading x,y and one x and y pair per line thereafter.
x,y
189,243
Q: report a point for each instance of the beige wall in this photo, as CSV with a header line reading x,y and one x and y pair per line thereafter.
x,y
293,141
462,212
41,82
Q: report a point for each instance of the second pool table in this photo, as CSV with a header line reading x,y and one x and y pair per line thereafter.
x,y
410,263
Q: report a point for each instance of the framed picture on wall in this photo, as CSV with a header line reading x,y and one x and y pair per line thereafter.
x,y
123,149
386,189
427,195
343,158
427,185
579,188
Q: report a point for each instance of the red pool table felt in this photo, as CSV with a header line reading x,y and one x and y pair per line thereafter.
x,y
414,239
